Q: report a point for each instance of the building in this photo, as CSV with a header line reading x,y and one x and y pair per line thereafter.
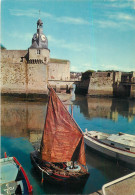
x,y
108,83
28,72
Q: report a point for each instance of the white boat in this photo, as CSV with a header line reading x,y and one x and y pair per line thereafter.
x,y
120,147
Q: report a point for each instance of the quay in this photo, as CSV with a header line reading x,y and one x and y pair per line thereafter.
x,y
121,186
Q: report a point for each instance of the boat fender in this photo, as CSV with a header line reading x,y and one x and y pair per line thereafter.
x,y
5,154
42,178
75,169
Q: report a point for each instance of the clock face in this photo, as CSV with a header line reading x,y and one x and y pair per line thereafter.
x,y
43,37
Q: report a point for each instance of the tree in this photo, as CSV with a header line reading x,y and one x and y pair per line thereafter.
x,y
86,75
2,47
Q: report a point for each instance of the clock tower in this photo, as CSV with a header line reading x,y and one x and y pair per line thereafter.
x,y
38,51
38,60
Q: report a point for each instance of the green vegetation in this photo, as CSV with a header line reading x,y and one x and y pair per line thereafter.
x,y
107,71
53,60
86,75
2,47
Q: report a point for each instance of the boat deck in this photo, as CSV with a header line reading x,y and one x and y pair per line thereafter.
x,y
124,185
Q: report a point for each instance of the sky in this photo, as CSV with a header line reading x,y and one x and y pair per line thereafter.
x,y
92,34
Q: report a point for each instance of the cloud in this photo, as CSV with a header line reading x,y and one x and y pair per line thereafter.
x,y
109,67
122,16
115,14
106,23
120,4
117,67
17,35
72,20
103,67
70,45
117,20
28,13
74,68
80,68
35,14
133,4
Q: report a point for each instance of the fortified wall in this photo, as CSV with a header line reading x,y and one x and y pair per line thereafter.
x,y
109,84
20,77
101,83
28,72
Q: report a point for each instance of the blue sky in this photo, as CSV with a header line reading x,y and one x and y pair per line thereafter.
x,y
92,34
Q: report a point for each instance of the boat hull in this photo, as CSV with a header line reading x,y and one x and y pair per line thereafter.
x,y
14,179
57,178
119,155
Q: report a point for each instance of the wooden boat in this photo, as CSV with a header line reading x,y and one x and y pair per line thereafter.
x,y
120,147
61,158
13,177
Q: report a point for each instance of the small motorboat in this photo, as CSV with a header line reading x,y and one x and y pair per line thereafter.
x,y
61,159
120,147
13,178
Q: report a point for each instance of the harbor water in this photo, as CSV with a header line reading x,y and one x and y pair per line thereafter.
x,y
22,124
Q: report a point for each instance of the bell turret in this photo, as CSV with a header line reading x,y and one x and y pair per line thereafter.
x,y
39,40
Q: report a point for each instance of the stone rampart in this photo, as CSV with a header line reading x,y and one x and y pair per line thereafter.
x,y
101,83
22,76
19,77
13,71
59,71
82,87
61,86
110,84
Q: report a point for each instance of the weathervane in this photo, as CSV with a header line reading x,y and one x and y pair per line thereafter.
x,y
39,14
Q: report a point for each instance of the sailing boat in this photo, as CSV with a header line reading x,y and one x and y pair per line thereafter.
x,y
61,158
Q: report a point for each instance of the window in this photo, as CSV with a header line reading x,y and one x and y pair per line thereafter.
x,y
127,148
108,75
45,59
112,144
38,51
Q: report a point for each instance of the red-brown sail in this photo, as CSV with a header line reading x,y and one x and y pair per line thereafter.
x,y
62,139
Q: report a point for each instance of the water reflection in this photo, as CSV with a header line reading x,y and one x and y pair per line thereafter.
x,y
106,107
22,119
102,170
22,124
26,119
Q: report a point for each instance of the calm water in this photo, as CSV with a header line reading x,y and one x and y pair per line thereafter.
x,y
21,129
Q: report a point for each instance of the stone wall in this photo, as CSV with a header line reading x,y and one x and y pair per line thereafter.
x,y
13,71
37,78
116,84
101,83
20,76
82,87
14,56
44,55
61,86
132,94
59,71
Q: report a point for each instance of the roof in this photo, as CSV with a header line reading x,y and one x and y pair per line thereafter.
x,y
125,139
53,60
